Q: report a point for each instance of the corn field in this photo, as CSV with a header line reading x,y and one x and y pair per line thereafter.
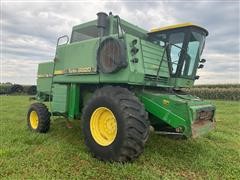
x,y
213,91
217,91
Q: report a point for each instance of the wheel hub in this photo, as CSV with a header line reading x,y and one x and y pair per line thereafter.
x,y
34,119
103,126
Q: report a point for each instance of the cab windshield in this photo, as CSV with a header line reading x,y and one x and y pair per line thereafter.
x,y
184,48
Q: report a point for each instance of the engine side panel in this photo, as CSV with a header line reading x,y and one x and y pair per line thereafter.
x,y
44,77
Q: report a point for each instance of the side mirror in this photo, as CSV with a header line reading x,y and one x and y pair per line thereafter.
x,y
197,77
202,60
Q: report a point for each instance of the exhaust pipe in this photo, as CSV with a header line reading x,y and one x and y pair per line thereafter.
x,y
102,22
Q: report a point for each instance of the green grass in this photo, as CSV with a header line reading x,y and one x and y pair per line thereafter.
x,y
61,153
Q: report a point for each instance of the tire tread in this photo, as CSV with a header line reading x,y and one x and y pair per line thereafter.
x,y
137,126
43,115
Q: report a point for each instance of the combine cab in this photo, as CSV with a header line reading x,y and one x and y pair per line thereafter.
x,y
119,79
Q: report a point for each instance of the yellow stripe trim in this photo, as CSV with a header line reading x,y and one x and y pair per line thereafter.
x,y
58,72
173,27
44,75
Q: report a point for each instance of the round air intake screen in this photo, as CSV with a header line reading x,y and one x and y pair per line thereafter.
x,y
111,55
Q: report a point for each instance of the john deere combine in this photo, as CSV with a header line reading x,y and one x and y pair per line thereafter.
x,y
119,79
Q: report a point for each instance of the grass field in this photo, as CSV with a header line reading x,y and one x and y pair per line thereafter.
x,y
61,153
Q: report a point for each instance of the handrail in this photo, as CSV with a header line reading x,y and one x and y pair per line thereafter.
x,y
61,37
165,49
53,70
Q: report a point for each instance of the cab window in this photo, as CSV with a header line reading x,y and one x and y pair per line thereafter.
x,y
175,48
86,33
194,50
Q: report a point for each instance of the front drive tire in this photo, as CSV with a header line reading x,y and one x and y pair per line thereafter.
x,y
38,118
115,125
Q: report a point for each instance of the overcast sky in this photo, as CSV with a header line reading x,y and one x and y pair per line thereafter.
x,y
29,31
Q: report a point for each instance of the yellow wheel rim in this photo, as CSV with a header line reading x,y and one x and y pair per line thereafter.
x,y
34,119
103,126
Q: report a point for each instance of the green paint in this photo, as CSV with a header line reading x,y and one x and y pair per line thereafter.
x,y
44,83
60,98
175,110
151,67
73,105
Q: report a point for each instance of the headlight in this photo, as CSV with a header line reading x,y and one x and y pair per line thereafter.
x,y
205,115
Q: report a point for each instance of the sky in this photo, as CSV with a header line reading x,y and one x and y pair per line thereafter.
x,y
29,31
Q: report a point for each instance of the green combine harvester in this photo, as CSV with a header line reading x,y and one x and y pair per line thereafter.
x,y
119,80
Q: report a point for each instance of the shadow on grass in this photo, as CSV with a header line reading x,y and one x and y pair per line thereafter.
x,y
157,145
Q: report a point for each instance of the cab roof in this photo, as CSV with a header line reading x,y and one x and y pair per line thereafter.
x,y
176,26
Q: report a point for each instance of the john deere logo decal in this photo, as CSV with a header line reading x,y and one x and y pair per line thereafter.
x,y
165,102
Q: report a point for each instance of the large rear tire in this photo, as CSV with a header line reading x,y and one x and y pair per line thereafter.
x,y
115,125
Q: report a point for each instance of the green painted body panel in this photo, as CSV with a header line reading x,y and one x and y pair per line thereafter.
x,y
178,111
73,105
133,29
136,70
88,79
152,56
44,83
83,55
181,82
60,98
77,55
